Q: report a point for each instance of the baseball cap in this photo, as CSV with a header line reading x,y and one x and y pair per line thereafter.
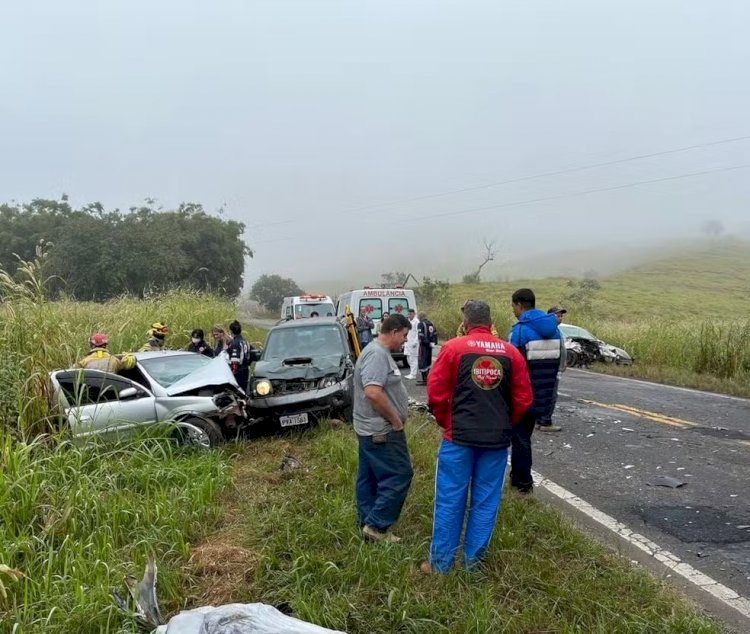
x,y
557,309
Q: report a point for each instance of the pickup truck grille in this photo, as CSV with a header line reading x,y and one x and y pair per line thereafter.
x,y
292,386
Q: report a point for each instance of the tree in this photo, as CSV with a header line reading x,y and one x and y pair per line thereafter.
x,y
95,253
712,228
487,256
393,279
270,290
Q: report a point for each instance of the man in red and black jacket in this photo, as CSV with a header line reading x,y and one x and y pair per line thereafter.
x,y
478,389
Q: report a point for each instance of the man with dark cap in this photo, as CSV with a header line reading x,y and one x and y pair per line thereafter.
x,y
545,420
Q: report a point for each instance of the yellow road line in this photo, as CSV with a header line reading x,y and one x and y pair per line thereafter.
x,y
642,413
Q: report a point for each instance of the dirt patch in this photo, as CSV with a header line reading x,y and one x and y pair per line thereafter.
x,y
223,573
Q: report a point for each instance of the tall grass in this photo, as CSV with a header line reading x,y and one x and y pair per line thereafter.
x,y
698,352
75,520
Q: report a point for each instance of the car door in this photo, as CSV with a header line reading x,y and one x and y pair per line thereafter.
x,y
99,403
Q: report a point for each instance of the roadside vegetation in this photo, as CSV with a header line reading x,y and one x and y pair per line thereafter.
x,y
289,537
75,519
685,319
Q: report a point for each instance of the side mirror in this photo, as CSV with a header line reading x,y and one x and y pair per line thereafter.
x,y
128,392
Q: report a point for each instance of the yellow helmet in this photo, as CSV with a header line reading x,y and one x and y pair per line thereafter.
x,y
158,330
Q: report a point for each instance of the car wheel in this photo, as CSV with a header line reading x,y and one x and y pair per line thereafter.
x,y
572,358
347,414
199,432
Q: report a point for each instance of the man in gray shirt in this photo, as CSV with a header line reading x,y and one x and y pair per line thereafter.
x,y
380,407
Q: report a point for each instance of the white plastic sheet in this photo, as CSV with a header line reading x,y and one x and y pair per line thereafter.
x,y
239,618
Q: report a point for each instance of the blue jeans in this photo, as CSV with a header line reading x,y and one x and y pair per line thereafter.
x,y
459,470
383,479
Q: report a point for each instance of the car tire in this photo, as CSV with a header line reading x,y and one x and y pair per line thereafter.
x,y
572,359
347,414
199,432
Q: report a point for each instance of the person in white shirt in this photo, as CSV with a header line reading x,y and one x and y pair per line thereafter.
x,y
411,347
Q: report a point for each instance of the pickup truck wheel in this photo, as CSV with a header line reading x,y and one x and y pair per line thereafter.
x,y
347,414
199,432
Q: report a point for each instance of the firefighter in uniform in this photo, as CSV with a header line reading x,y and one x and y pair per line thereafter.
x,y
156,335
100,358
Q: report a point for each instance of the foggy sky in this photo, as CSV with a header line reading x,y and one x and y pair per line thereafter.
x,y
306,119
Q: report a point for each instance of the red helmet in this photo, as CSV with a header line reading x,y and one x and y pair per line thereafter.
x,y
98,339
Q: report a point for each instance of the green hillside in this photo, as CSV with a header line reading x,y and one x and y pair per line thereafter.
x,y
708,283
685,317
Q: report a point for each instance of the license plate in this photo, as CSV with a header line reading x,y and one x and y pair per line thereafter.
x,y
294,419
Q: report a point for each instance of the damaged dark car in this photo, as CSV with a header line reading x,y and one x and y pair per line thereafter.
x,y
304,374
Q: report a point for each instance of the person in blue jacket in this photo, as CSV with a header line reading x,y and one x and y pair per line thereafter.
x,y
536,336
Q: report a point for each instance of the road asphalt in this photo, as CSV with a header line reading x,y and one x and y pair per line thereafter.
x,y
622,441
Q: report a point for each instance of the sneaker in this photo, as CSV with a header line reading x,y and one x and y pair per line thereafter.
x,y
524,491
409,376
425,568
549,427
374,535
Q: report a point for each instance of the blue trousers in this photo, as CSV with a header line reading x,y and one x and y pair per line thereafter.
x,y
460,470
383,479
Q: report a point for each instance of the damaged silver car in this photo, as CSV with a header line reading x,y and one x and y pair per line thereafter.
x,y
194,393
305,373
582,348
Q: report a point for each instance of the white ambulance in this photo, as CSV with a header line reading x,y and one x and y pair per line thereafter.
x,y
303,306
377,301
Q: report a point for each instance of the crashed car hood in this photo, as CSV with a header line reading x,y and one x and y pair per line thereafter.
x,y
212,374
320,367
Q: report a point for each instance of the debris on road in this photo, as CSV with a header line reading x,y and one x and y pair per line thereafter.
x,y
567,446
627,429
628,466
667,481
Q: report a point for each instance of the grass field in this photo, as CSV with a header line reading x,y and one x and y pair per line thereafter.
x,y
685,318
290,538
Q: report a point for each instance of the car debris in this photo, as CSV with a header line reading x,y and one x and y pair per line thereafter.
x,y
233,618
289,463
666,481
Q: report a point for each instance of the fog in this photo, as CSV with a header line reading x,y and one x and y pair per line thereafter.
x,y
354,138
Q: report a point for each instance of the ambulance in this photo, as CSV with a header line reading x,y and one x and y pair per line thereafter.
x,y
377,301
302,306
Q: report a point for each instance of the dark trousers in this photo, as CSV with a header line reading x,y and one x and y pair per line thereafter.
x,y
383,479
546,418
425,359
520,457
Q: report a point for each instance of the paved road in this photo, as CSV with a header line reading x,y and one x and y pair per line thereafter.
x,y
620,436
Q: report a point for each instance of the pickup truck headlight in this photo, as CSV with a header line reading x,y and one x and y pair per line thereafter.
x,y
263,387
327,381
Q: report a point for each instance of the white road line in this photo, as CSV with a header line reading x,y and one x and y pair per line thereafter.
x,y
671,387
724,594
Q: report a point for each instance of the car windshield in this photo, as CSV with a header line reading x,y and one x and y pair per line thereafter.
x,y
310,341
324,309
575,331
168,369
